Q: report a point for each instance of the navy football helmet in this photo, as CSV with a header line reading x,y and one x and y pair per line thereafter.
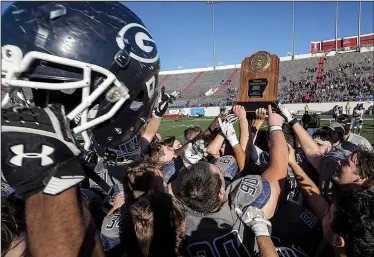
x,y
95,58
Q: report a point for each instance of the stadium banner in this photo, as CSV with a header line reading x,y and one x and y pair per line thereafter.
x,y
196,111
173,111
345,43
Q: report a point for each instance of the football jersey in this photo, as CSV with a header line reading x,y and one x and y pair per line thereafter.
x,y
112,175
110,230
222,233
296,227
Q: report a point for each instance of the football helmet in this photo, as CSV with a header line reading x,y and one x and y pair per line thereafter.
x,y
94,58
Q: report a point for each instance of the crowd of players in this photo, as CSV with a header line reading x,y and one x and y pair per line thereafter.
x,y
125,190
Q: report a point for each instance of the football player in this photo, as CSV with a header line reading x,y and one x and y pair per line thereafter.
x,y
358,118
214,222
75,56
335,112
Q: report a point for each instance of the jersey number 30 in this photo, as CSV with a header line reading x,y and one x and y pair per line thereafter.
x,y
229,245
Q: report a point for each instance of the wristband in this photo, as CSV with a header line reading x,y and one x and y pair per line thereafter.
x,y
261,229
233,142
292,122
275,128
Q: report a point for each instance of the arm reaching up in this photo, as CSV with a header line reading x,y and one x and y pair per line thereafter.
x,y
311,192
307,143
159,111
228,131
276,173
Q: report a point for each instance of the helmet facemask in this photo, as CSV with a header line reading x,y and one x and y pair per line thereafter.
x,y
15,65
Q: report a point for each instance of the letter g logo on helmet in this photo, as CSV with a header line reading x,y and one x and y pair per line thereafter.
x,y
143,47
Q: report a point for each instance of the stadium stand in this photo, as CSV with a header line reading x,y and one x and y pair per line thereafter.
x,y
302,72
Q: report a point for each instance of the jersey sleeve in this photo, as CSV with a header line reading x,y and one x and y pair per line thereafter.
x,y
250,190
110,233
228,165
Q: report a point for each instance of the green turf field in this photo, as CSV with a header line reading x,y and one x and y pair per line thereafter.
x,y
173,127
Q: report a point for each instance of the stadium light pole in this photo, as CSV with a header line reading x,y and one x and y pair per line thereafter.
x,y
293,29
359,27
336,27
213,32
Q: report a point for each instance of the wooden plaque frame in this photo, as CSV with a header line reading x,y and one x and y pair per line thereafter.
x,y
257,70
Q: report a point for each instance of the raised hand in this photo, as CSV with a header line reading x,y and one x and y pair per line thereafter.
x,y
228,130
274,119
194,153
163,102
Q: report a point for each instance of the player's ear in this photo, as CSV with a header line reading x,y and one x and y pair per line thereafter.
x,y
339,241
222,191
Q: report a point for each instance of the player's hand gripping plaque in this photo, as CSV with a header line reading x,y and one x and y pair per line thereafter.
x,y
258,81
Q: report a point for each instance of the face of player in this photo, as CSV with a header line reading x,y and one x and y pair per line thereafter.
x,y
334,239
168,153
18,248
176,144
347,176
324,148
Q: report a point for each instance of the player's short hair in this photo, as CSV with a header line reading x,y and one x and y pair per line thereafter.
x,y
354,221
323,134
169,141
156,151
364,159
13,225
190,133
344,118
141,178
199,188
153,226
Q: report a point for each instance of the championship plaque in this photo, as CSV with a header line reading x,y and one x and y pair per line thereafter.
x,y
258,81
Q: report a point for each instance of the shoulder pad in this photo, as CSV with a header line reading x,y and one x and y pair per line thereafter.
x,y
251,190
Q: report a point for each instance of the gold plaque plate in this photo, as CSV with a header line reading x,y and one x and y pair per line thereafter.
x,y
259,61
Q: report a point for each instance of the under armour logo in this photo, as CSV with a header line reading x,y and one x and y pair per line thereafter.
x,y
18,150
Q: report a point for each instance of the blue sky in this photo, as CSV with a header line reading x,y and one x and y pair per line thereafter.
x,y
183,30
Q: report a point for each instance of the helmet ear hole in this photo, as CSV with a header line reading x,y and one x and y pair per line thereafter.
x,y
140,96
138,101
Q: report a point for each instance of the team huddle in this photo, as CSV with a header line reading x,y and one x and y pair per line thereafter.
x,y
113,186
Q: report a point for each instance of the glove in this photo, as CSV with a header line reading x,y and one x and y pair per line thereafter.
x,y
228,130
163,103
254,219
194,153
38,151
290,119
